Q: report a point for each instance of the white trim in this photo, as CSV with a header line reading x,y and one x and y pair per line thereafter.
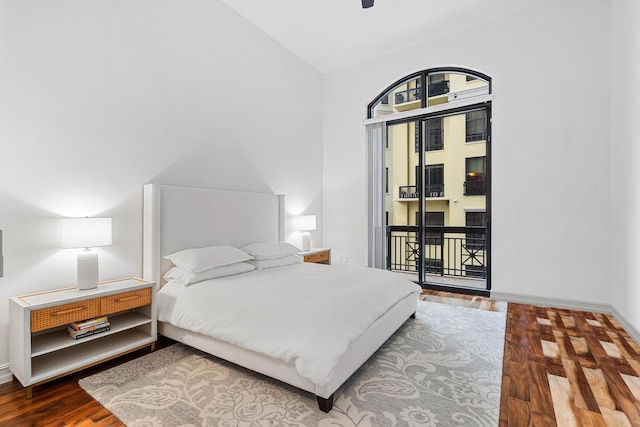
x,y
5,374
428,110
551,302
468,93
570,305
628,327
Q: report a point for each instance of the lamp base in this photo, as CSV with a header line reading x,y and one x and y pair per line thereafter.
x,y
87,270
306,241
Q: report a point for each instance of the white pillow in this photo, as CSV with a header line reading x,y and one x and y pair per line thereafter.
x,y
187,277
201,259
270,250
279,262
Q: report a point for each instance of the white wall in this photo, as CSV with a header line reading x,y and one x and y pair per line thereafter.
x,y
625,183
551,131
98,98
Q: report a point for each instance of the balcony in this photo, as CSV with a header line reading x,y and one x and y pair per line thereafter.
x,y
455,252
411,191
439,88
407,99
409,95
408,192
475,188
410,99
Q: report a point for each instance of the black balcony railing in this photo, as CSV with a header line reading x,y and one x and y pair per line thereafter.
x,y
411,191
414,94
408,95
439,88
408,192
447,251
434,190
475,188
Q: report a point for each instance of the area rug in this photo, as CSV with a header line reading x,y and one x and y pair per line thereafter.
x,y
443,368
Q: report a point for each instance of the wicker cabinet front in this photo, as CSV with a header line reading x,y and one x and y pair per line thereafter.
x,y
52,317
125,301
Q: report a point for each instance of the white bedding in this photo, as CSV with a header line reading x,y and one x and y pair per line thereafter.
x,y
305,314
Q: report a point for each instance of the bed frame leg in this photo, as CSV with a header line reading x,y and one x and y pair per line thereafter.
x,y
413,316
325,405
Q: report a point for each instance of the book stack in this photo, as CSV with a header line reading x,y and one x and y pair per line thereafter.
x,y
88,327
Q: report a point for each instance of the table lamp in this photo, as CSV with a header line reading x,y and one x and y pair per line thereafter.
x,y
305,223
86,233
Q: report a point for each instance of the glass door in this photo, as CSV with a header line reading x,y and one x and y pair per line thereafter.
x,y
429,139
454,200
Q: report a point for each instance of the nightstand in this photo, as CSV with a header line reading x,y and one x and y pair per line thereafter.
x,y
40,348
317,255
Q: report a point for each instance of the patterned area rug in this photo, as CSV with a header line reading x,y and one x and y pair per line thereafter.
x,y
442,369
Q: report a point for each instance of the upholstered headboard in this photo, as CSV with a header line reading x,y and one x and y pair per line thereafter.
x,y
177,218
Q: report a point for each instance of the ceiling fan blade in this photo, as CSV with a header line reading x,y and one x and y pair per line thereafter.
x,y
367,3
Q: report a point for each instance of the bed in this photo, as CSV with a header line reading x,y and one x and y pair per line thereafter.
x,y
178,218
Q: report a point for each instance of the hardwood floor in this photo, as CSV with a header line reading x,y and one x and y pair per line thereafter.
x,y
61,402
561,368
568,368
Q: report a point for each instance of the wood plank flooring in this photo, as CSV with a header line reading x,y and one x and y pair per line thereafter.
x,y
561,368
61,402
568,368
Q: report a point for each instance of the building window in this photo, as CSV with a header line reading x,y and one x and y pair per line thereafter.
x,y
432,265
476,126
432,219
434,135
438,85
475,183
411,94
434,181
475,219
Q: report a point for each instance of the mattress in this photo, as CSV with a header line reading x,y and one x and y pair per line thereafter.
x,y
303,314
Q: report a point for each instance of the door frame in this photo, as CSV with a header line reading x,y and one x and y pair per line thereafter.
x,y
376,132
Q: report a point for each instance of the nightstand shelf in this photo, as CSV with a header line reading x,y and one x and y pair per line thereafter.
x,y
57,340
71,359
40,348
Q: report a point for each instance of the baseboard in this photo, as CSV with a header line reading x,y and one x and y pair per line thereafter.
x,y
570,305
628,327
5,374
552,302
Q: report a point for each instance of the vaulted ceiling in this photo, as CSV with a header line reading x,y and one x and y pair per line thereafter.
x,y
334,34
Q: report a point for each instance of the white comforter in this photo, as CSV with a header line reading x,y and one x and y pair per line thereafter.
x,y
305,314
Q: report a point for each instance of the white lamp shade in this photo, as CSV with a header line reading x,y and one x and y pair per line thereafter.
x,y
304,223
85,232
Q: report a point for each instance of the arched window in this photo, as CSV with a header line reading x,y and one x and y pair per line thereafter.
x,y
444,85
429,163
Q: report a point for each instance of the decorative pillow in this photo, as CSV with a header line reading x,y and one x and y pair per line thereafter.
x,y
279,262
270,250
201,259
187,277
